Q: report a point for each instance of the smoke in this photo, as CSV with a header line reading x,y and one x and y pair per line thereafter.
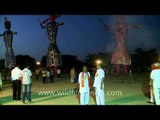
x,y
147,37
110,46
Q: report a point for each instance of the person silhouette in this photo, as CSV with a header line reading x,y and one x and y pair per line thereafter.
x,y
53,54
8,39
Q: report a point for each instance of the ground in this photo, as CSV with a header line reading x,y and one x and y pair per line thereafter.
x,y
119,90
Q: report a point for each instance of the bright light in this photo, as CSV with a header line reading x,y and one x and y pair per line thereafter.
x,y
98,61
38,63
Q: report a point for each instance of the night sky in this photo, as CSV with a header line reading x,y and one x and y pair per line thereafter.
x,y
80,34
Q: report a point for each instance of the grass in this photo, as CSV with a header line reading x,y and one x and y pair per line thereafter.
x,y
119,90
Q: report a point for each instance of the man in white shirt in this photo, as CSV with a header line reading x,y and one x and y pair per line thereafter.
x,y
155,78
84,86
26,82
99,85
73,74
16,79
151,97
58,72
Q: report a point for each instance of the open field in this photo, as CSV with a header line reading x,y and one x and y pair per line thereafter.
x,y
120,90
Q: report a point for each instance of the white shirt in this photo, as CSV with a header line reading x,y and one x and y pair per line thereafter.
x,y
16,74
47,73
98,78
59,71
86,82
155,76
26,73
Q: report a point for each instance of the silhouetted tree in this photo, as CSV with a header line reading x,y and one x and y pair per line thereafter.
x,y
2,64
68,61
142,60
44,61
22,60
104,57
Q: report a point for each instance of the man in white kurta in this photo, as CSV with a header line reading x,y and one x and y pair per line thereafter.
x,y
84,86
155,77
99,85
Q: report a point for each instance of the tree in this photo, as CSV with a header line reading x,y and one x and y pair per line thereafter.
x,y
69,61
44,61
104,57
2,64
23,60
142,60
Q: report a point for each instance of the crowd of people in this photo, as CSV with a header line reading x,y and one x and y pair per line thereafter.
x,y
47,74
22,83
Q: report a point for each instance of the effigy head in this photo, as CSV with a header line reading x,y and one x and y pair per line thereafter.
x,y
7,23
53,17
120,18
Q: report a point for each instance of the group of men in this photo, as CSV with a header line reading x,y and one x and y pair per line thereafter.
x,y
98,86
21,77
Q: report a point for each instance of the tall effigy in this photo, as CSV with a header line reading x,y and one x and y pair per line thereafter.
x,y
53,54
121,55
10,60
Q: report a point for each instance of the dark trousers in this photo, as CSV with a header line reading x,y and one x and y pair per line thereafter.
x,y
26,92
44,80
51,78
16,90
58,75
37,77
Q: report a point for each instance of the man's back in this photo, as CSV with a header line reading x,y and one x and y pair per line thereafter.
x,y
26,73
155,76
15,73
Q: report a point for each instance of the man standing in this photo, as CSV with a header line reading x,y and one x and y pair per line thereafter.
x,y
72,74
26,82
99,85
151,98
16,78
84,86
51,75
155,78
58,72
43,75
37,73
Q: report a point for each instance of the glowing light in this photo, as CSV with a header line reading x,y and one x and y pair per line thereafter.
x,y
98,61
38,63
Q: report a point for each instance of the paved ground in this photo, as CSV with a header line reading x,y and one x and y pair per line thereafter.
x,y
121,90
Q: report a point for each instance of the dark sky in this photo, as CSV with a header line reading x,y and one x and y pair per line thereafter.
x,y
80,34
